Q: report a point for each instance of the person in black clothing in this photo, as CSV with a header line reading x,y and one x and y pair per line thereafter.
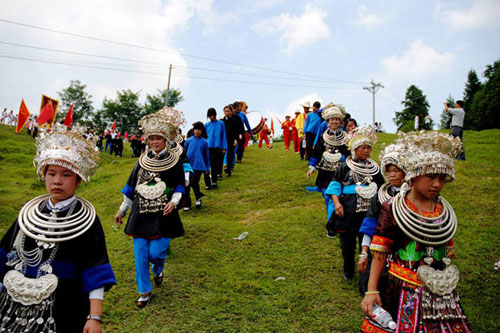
x,y
136,146
234,127
109,141
118,145
100,138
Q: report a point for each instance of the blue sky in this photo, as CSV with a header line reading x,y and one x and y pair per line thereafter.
x,y
335,47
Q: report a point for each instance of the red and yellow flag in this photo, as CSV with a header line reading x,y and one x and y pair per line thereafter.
x,y
23,116
55,103
46,115
272,126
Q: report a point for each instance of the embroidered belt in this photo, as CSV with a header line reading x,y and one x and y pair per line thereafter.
x,y
371,327
405,274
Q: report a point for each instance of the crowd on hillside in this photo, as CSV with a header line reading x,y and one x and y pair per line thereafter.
x,y
393,226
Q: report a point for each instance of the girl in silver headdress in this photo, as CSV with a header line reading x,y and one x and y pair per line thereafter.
x,y
329,151
354,183
392,168
153,191
414,236
53,259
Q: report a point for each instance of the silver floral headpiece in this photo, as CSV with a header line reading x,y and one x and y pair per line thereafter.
x,y
392,154
429,152
363,135
163,123
333,111
67,148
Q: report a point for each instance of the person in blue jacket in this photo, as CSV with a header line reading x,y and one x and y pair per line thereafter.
x,y
311,127
217,145
241,138
199,159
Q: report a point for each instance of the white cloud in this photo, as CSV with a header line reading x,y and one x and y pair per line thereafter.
x,y
368,20
481,14
417,62
296,30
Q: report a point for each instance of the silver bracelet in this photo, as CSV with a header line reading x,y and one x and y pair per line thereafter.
x,y
95,317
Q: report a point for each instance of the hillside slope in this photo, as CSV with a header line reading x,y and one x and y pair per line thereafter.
x,y
215,283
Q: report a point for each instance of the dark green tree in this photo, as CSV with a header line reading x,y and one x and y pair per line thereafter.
x,y
486,102
82,104
125,109
415,103
445,116
472,86
157,101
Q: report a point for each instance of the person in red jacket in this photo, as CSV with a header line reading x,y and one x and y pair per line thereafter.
x,y
295,134
264,133
286,126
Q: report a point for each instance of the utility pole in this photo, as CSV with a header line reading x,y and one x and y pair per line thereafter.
x,y
373,89
168,84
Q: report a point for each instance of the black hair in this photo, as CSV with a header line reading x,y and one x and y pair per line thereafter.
x,y
236,105
229,106
353,120
211,112
460,103
317,104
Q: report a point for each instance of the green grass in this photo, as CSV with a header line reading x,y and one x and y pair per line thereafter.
x,y
214,283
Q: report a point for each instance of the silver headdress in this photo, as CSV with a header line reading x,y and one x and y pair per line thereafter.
x,y
333,111
67,148
429,152
364,135
164,123
392,154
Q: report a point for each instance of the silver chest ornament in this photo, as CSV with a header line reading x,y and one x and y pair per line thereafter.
x,y
29,291
366,192
151,192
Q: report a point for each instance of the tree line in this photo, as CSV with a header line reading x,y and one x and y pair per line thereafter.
x,y
125,108
481,103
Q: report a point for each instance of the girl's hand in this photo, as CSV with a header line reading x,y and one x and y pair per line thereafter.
x,y
368,302
339,210
169,207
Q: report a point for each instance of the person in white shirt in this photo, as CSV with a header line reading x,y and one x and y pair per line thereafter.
x,y
457,124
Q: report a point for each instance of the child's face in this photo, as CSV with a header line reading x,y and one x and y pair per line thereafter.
x,y
350,126
334,124
227,112
362,152
197,133
157,143
61,183
212,118
429,186
395,175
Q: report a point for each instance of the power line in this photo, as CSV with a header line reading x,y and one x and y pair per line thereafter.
x,y
158,63
165,51
164,74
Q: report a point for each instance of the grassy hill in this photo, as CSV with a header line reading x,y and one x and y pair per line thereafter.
x,y
215,283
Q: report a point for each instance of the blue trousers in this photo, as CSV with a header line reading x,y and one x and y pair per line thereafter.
x,y
149,251
233,161
108,144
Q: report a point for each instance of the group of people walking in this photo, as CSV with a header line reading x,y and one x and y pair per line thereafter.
x,y
393,211
396,217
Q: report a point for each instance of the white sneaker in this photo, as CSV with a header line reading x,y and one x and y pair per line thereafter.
x,y
187,208
198,203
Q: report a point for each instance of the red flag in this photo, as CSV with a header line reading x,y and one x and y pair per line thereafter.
x,y
272,126
46,115
114,126
69,117
24,114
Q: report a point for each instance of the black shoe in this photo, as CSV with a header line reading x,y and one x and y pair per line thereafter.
x,y
347,277
158,279
238,161
331,234
219,177
144,300
198,203
228,174
214,186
